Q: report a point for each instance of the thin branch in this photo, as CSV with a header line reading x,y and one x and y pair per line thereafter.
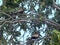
x,y
6,14
55,5
2,25
52,23
49,22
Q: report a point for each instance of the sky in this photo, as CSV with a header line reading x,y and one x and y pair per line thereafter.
x,y
1,2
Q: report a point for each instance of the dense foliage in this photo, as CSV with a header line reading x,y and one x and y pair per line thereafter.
x,y
40,18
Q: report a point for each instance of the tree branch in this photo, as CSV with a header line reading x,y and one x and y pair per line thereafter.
x,y
55,5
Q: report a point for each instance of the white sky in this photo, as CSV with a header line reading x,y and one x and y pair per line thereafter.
x,y
1,2
57,1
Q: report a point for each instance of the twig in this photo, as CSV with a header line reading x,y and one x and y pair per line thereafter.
x,y
55,5
6,14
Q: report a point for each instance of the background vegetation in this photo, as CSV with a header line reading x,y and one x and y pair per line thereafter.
x,y
30,22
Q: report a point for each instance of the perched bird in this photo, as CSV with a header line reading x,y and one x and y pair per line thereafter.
x,y
35,36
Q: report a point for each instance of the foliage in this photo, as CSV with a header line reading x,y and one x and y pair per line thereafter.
x,y
55,38
32,15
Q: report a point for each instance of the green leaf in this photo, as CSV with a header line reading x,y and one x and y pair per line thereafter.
x,y
15,1
54,37
56,31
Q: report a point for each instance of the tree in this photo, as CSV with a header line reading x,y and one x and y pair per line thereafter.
x,y
30,15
